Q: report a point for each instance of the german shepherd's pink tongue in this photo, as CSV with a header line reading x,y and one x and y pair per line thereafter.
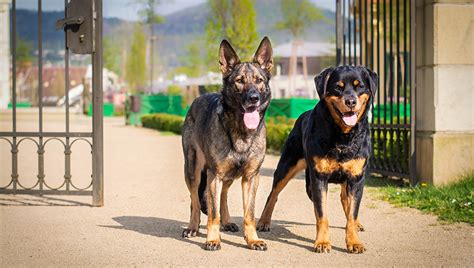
x,y
350,120
251,120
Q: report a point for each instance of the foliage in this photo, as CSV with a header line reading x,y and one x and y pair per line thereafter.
x,y
173,90
136,58
24,52
163,122
276,136
192,64
148,14
297,15
234,20
111,56
277,133
242,31
212,88
452,203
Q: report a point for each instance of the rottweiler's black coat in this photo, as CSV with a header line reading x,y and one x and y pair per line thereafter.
x,y
224,139
332,143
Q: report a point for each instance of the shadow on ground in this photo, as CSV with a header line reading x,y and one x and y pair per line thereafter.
x,y
15,200
167,228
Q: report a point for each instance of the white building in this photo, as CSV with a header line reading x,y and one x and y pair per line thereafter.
x,y
4,53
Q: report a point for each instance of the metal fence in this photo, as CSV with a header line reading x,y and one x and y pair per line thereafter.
x,y
83,34
380,35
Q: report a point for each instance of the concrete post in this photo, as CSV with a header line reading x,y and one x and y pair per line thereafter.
x,y
445,90
4,53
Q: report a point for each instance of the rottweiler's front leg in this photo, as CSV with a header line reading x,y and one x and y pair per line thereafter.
x,y
214,189
249,192
351,195
319,194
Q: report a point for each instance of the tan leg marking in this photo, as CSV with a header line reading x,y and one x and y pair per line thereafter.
x,y
323,239
265,219
353,243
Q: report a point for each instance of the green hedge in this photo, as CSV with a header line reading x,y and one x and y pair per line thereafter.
x,y
277,129
163,122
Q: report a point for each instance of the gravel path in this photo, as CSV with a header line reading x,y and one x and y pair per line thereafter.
x,y
147,205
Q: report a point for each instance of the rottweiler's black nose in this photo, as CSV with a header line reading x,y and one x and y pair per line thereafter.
x,y
350,102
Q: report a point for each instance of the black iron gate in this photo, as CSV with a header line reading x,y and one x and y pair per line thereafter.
x,y
380,35
82,25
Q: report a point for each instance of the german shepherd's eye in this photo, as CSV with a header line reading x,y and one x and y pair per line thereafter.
x,y
259,80
239,80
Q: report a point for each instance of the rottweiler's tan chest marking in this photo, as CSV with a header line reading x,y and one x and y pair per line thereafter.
x,y
326,165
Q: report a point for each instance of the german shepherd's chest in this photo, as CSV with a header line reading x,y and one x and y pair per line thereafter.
x,y
243,156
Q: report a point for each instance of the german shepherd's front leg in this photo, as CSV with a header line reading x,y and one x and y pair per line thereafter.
x,y
214,190
249,192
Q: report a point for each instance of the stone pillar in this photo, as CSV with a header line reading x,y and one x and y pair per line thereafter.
x,y
445,90
4,53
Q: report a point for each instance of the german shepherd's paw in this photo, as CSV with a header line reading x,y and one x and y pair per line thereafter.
x,y
212,245
230,227
322,247
263,227
360,227
356,248
188,233
257,245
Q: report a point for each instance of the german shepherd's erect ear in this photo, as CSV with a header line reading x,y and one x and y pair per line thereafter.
x,y
227,57
263,56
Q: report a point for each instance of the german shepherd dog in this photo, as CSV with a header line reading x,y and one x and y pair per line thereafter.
x,y
224,139
332,143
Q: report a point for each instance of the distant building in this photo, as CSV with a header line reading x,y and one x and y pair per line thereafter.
x,y
53,83
312,55
4,53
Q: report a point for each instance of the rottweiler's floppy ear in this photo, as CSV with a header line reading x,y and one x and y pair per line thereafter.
x,y
227,57
321,81
263,56
372,77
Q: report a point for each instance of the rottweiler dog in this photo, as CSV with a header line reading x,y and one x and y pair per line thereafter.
x,y
332,144
223,139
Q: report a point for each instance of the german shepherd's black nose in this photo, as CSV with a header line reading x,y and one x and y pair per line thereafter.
x,y
253,96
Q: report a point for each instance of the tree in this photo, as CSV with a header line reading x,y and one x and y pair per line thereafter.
x,y
191,63
24,53
234,20
297,15
149,17
136,58
111,56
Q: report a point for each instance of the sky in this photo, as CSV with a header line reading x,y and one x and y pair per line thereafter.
x,y
125,10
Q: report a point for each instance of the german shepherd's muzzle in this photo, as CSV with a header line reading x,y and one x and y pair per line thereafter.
x,y
224,139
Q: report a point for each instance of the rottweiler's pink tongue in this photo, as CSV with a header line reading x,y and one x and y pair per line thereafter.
x,y
251,120
350,120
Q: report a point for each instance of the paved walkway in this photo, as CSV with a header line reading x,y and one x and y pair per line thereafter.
x,y
147,205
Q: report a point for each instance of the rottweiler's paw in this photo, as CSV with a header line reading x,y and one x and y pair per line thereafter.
x,y
230,227
322,247
356,248
212,245
360,227
263,227
188,233
257,245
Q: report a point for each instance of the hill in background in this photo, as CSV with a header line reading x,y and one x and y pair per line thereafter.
x,y
179,29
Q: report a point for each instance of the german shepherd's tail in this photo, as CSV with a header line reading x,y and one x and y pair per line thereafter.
x,y
202,191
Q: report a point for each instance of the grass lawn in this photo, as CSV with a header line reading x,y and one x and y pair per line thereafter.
x,y
451,203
